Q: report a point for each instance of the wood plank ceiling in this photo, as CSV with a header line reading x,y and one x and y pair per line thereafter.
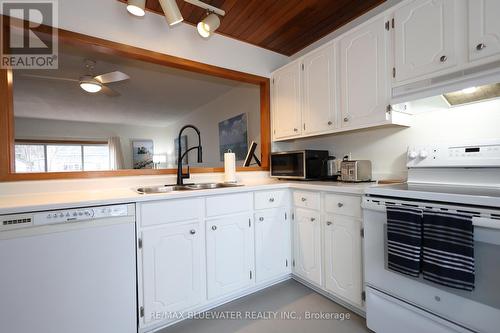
x,y
283,26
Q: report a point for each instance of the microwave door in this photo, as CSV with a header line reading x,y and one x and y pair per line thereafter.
x,y
289,165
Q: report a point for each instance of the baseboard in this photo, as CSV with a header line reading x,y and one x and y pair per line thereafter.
x,y
331,297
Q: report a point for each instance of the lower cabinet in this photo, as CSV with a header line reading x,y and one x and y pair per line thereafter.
x,y
272,244
173,273
307,245
230,254
342,257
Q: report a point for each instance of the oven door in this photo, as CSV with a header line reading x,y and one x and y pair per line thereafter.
x,y
290,165
478,310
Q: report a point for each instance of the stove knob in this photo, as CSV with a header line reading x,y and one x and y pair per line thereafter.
x,y
423,154
412,154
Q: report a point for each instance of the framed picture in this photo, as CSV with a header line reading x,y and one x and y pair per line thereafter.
x,y
142,154
184,144
233,134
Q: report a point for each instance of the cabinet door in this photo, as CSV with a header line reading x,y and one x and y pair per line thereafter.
x,y
307,245
484,28
364,76
286,112
272,244
424,38
343,257
319,91
230,255
172,268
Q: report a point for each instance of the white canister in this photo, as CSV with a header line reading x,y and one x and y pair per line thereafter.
x,y
229,167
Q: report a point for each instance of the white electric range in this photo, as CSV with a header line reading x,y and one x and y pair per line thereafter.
x,y
453,178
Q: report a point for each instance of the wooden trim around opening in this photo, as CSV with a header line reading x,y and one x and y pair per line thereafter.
x,y
7,158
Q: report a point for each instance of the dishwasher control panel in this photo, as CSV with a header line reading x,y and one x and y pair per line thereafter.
x,y
79,214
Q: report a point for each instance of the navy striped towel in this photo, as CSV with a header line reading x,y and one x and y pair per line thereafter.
x,y
448,249
404,239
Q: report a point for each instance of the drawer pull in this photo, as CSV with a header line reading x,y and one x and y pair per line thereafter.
x,y
214,227
271,199
304,199
443,58
480,46
261,219
192,231
340,204
313,219
328,223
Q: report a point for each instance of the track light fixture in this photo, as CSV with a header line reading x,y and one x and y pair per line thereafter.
x,y
171,11
208,25
136,7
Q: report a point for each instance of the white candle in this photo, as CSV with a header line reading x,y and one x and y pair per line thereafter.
x,y
229,167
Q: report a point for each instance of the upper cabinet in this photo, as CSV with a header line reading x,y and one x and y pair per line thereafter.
x,y
320,98
424,38
364,76
287,101
484,29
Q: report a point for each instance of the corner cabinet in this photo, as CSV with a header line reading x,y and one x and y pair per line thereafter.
x,y
484,29
424,38
365,76
286,102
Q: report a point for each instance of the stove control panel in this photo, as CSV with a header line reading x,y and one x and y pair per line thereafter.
x,y
486,154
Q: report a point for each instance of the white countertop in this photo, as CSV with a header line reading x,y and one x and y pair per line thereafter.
x,y
10,204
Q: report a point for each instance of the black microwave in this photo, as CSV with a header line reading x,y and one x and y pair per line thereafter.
x,y
300,164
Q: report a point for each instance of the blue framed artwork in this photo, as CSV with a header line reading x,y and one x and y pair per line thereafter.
x,y
233,134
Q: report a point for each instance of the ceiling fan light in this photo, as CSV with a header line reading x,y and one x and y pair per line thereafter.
x,y
171,11
208,25
136,7
90,85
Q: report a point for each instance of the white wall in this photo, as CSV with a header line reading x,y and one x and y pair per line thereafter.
x,y
242,99
386,147
30,128
108,19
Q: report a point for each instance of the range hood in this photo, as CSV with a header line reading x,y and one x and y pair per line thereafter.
x,y
473,94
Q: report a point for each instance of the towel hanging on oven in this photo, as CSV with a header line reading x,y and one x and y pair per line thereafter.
x,y
448,249
404,239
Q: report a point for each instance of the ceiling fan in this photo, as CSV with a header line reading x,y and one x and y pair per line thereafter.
x,y
89,82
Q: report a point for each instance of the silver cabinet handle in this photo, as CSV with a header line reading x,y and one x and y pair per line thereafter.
x,y
313,219
443,58
214,227
340,204
261,219
295,129
330,123
328,223
346,119
303,199
480,46
192,231
271,199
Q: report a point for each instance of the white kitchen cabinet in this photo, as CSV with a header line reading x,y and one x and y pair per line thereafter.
x,y
286,103
424,38
173,272
320,97
364,76
230,254
342,257
307,245
484,29
272,244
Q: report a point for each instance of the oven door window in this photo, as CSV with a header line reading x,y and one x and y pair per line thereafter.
x,y
288,165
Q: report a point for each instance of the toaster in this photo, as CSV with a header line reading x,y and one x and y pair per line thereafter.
x,y
356,171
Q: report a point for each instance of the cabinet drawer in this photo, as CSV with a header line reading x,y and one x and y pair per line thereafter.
x,y
343,204
229,204
167,211
309,200
270,199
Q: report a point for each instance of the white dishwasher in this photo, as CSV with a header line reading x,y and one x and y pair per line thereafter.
x,y
70,270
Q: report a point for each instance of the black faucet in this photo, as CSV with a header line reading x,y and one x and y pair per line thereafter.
x,y
181,176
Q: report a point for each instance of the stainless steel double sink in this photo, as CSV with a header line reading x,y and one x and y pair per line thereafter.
x,y
187,187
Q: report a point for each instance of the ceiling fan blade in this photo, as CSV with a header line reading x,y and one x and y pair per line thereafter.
x,y
112,77
46,77
109,92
